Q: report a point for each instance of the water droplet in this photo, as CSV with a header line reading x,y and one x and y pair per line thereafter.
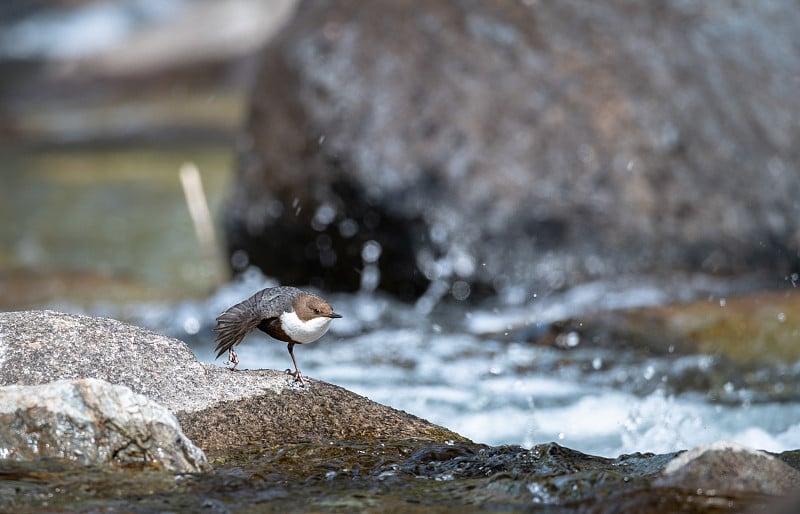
x,y
460,290
438,233
597,363
463,263
573,339
371,251
323,217
370,277
191,325
781,317
239,260
348,228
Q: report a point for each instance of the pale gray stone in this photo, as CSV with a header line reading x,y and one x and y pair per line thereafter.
x,y
92,422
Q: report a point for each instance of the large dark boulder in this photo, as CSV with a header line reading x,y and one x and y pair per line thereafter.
x,y
495,144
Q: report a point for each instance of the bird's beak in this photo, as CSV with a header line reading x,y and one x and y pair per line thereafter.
x,y
334,315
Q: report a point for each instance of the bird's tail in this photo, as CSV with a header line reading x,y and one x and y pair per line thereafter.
x,y
234,324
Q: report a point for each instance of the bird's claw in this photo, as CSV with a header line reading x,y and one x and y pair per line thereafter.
x,y
298,377
232,359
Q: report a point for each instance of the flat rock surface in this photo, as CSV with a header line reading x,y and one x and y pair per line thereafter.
x,y
217,408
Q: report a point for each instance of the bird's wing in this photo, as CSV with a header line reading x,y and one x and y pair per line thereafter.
x,y
238,321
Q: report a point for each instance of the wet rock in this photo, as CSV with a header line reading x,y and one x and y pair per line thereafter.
x,y
92,422
399,476
218,409
725,467
502,144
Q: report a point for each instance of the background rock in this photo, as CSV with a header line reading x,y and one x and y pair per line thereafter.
x,y
492,145
92,422
218,409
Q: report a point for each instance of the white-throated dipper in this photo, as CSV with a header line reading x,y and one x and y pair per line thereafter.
x,y
285,313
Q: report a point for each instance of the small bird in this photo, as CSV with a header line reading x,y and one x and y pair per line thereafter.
x,y
285,313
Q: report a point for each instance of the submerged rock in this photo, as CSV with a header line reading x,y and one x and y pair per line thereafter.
x,y
92,422
492,145
217,408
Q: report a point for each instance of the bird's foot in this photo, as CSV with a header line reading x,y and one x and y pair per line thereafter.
x,y
298,377
232,359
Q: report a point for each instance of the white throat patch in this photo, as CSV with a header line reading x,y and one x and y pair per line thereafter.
x,y
304,332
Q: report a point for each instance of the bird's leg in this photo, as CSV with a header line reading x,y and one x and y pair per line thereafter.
x,y
232,359
296,373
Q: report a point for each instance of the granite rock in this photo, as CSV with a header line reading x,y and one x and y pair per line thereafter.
x,y
92,422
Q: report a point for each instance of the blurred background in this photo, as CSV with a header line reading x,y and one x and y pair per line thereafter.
x,y
574,221
102,102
